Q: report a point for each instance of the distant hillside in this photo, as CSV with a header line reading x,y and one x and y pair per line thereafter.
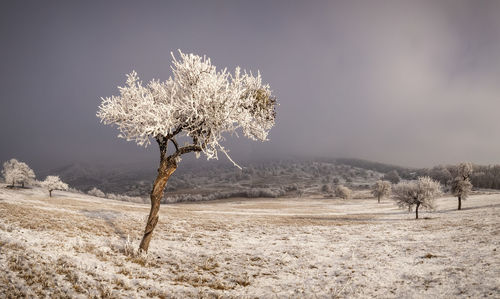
x,y
405,172
483,176
109,178
269,179
206,181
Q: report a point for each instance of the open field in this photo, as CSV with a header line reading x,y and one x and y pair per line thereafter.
x,y
82,246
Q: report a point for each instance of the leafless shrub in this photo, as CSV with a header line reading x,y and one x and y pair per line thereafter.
x,y
343,192
96,192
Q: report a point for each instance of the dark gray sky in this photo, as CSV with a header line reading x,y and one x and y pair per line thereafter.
x,y
414,83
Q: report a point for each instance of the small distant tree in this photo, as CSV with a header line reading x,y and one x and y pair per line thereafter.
x,y
199,104
419,193
461,186
392,176
343,192
381,189
16,172
52,183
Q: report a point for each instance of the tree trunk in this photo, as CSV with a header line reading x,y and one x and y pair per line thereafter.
x,y
167,167
378,198
416,211
23,184
50,193
459,202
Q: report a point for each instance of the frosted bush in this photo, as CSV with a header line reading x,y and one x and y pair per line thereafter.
x,y
74,190
249,193
127,198
96,192
343,192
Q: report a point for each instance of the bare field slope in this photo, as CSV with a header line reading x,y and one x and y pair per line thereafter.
x,y
81,246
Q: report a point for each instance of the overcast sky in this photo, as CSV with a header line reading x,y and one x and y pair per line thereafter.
x,y
414,83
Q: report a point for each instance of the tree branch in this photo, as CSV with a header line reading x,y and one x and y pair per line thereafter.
x,y
187,148
184,150
175,132
175,143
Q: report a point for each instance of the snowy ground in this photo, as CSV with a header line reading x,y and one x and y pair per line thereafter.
x,y
76,245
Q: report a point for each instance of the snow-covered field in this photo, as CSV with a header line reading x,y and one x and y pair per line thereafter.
x,y
81,246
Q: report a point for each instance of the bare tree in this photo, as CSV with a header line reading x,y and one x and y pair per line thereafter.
x,y
461,186
343,192
381,189
17,172
52,183
419,193
199,104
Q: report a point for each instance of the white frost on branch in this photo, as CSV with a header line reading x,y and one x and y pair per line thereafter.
x,y
199,102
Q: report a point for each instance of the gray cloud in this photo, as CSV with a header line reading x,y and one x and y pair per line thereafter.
x,y
407,82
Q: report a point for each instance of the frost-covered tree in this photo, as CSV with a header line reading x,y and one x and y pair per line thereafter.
x,y
461,189
464,170
419,193
343,192
199,104
53,182
381,189
16,172
461,186
12,175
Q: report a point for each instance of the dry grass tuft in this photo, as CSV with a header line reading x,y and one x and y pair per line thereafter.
x,y
203,280
209,264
